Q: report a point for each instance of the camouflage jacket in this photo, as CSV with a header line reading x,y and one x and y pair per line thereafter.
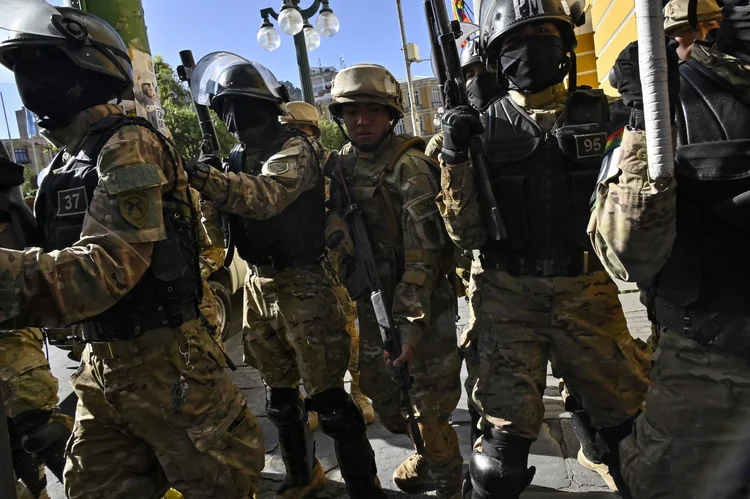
x,y
417,238
286,175
210,236
73,284
435,146
458,199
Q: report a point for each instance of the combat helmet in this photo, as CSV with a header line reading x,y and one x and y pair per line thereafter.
x,y
498,17
75,50
219,75
471,53
367,84
300,112
676,14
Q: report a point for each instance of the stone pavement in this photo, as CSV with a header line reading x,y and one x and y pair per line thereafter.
x,y
559,475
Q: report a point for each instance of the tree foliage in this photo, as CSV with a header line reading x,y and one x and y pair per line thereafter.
x,y
331,136
179,114
295,94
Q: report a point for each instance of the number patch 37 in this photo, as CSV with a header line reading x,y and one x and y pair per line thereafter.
x,y
72,202
590,145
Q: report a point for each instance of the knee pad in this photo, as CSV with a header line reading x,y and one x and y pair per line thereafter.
x,y
27,421
492,479
284,407
512,451
347,420
329,401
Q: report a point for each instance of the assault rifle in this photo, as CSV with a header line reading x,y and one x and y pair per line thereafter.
x,y
366,278
209,141
447,65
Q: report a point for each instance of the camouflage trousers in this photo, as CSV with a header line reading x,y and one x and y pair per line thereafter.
x,y
692,440
577,324
210,310
294,328
129,440
435,392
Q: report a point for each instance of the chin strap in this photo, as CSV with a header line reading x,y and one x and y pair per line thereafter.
x,y
380,143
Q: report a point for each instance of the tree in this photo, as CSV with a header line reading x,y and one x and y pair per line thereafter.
x,y
331,136
179,114
295,94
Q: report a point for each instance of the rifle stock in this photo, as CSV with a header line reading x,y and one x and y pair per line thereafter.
x,y
366,277
447,64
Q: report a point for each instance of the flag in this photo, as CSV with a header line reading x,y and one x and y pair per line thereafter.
x,y
30,124
462,12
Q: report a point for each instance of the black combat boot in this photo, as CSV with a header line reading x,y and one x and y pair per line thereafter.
x,y
304,475
500,470
610,439
341,419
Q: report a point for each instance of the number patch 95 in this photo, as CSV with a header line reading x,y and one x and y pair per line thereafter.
x,y
590,145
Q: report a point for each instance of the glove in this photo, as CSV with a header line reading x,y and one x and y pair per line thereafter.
x,y
626,78
460,124
199,171
11,174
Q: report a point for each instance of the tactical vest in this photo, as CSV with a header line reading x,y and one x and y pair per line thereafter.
x,y
705,283
543,183
169,291
295,237
382,214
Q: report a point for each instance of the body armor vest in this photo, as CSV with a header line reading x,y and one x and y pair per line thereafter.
x,y
294,238
543,183
169,292
705,283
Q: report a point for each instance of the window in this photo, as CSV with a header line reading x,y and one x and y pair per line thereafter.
x,y
436,95
416,99
22,155
400,127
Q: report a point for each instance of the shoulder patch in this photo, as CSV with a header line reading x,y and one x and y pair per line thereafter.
x,y
276,168
134,207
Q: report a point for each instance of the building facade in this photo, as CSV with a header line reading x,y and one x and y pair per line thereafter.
x,y
427,103
322,82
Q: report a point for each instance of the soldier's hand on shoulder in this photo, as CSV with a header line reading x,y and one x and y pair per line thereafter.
x,y
11,174
460,124
199,171
211,160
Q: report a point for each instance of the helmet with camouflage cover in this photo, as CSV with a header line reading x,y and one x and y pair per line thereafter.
x,y
498,17
366,84
301,113
676,14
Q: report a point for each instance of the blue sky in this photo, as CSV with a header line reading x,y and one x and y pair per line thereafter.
x,y
369,33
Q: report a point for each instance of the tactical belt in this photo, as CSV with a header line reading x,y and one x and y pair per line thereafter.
x,y
131,327
707,328
155,337
581,264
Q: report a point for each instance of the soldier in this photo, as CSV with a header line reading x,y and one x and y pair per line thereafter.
x,y
677,24
304,117
685,241
156,407
539,295
294,326
38,429
395,182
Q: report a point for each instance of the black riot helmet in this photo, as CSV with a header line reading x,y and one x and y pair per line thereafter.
x,y
498,17
64,60
470,54
734,32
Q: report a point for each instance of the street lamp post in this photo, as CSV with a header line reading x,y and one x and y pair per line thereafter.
x,y
294,21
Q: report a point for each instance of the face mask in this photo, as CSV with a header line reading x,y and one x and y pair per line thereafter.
x,y
535,63
253,123
483,90
734,32
51,90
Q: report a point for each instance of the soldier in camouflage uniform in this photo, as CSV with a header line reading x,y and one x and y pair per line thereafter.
x,y
38,429
540,296
156,407
294,326
304,117
677,24
685,241
396,183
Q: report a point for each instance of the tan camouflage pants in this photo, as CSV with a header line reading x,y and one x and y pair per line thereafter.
x,y
210,311
435,392
692,441
577,324
128,442
294,328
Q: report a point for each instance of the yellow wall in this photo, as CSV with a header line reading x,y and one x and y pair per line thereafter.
x,y
613,22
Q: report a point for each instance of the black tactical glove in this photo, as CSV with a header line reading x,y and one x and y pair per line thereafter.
x,y
626,78
460,124
11,174
199,171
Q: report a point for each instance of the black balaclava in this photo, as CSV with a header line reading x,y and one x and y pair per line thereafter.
x,y
534,63
254,122
734,32
484,89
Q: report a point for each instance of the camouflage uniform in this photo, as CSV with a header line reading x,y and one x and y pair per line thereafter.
x,y
211,243
524,321
127,440
691,440
404,225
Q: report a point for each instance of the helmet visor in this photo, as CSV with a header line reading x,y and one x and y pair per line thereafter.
x,y
204,83
28,16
